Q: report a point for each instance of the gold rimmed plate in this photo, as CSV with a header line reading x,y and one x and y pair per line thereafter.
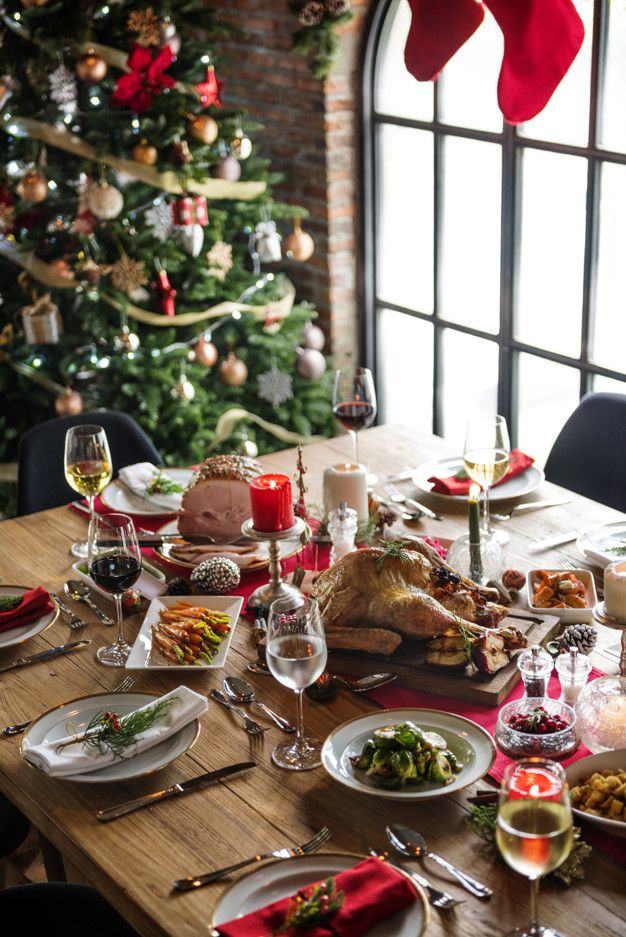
x,y
77,714
21,633
118,497
287,548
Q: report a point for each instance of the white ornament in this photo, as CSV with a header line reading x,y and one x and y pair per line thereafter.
x,y
105,201
275,386
63,89
140,295
191,237
268,242
311,363
159,217
313,337
124,178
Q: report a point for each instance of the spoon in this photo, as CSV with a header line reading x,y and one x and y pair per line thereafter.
x,y
409,843
79,591
242,692
358,685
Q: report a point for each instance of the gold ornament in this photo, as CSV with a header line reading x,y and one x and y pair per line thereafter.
x,y
6,335
91,67
299,245
181,154
145,153
183,390
203,128
206,353
33,187
27,4
220,259
233,371
241,145
69,403
147,26
62,267
128,275
104,201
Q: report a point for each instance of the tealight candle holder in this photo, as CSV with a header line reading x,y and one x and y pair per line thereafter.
x,y
276,588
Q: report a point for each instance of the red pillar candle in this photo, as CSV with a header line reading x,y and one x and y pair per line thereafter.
x,y
272,503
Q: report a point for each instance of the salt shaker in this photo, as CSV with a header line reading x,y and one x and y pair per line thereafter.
x,y
573,670
535,667
342,525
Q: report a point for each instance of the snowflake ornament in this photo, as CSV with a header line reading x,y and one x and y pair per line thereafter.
x,y
146,24
275,386
127,275
220,259
63,89
159,217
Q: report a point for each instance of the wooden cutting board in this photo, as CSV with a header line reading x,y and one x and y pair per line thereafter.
x,y
408,662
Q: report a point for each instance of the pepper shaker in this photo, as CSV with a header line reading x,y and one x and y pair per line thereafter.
x,y
535,667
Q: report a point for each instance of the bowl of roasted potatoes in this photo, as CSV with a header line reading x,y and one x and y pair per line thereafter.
x,y
598,790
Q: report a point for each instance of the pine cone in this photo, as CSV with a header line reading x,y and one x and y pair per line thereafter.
x,y
178,586
583,637
311,14
336,8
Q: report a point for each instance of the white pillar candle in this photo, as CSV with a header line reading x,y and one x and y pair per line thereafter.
x,y
615,590
346,481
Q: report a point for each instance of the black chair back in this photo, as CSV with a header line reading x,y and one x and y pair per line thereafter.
x,y
41,480
589,454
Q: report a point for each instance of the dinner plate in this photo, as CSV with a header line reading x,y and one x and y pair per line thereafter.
x,y
120,498
23,632
144,657
276,880
287,548
53,725
472,745
516,487
595,544
581,769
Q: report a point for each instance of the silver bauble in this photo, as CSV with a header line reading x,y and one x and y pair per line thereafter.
x,y
191,237
313,337
311,363
183,390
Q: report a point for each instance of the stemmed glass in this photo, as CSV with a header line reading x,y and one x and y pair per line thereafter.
x,y
354,401
534,828
114,565
486,458
88,467
296,655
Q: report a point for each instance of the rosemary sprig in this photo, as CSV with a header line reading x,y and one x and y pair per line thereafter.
x,y
468,639
619,549
162,484
107,732
392,548
312,907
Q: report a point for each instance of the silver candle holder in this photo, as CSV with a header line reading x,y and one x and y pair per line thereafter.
x,y
600,615
276,588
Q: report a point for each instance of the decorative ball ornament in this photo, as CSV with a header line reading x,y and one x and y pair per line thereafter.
x,y
69,403
183,390
267,242
178,586
203,128
241,145
33,187
145,153
206,353
91,67
191,238
169,36
311,363
127,341
215,576
313,337
105,201
233,371
228,168
299,245
62,268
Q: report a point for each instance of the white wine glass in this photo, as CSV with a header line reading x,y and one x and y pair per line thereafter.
x,y
354,401
534,830
296,655
88,467
114,561
486,459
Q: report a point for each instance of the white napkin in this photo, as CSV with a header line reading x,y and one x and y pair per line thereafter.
x,y
137,477
79,759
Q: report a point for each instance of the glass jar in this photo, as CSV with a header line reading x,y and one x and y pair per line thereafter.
x,y
517,744
601,710
462,556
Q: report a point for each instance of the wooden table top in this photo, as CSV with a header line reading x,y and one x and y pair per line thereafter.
x,y
133,861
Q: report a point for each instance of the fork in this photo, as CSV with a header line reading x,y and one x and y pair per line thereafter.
x,y
75,622
394,494
439,899
287,852
252,727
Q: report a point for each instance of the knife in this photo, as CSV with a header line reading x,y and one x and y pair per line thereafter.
x,y
555,541
184,787
401,476
428,512
46,655
535,505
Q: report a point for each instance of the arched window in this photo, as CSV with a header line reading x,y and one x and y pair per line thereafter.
x,y
495,256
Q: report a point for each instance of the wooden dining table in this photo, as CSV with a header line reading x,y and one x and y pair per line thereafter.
x,y
134,860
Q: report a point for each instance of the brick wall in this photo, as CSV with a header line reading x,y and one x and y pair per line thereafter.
x,y
311,136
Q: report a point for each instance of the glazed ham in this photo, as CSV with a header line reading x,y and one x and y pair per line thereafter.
x,y
217,500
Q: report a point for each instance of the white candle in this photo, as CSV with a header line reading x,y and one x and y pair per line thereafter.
x,y
611,730
615,590
346,481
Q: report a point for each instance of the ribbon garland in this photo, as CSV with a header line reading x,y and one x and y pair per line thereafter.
x,y
225,427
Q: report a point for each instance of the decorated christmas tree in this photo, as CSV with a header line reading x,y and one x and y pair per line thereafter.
x,y
139,245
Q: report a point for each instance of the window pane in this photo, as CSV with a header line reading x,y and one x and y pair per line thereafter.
x,y
609,328
565,118
470,278
550,272
467,86
396,91
607,385
405,217
470,382
547,393
612,133
405,369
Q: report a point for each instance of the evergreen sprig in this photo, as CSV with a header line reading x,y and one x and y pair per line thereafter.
x,y
312,907
391,549
106,732
162,484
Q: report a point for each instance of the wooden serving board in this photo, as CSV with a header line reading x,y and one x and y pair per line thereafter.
x,y
408,662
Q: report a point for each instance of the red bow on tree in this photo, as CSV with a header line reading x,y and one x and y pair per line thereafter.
x,y
145,79
210,89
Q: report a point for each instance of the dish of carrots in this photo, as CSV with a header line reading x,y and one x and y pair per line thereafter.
x,y
190,634
560,589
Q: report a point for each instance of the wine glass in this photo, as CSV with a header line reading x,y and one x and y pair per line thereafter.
x,y
88,467
114,565
296,655
354,401
534,828
486,458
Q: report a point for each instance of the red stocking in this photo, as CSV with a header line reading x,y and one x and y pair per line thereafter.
x,y
541,40
438,29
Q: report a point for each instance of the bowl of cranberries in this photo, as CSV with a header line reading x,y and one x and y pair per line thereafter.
x,y
537,726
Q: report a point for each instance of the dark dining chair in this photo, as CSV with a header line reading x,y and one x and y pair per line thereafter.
x,y
41,480
66,909
589,454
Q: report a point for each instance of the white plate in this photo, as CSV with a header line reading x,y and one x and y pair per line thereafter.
x,y
582,769
142,657
517,487
472,745
595,544
23,632
277,880
287,548
119,498
52,725
568,615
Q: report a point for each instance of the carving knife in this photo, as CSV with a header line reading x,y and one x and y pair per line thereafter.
x,y
554,541
185,787
45,655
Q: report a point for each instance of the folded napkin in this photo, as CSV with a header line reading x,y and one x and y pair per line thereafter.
x,y
461,486
79,759
34,604
139,476
373,891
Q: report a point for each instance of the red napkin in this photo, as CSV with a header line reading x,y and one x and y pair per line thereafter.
x,y
34,604
461,486
373,892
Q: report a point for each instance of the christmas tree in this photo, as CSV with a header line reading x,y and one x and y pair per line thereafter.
x,y
139,250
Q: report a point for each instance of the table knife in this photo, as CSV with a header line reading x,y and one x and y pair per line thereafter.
x,y
401,476
46,655
554,541
184,787
427,512
536,505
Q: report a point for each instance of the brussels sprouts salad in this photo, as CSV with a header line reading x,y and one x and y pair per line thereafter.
x,y
399,755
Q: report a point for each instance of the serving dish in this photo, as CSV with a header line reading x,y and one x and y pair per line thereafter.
x,y
580,770
287,548
567,615
555,745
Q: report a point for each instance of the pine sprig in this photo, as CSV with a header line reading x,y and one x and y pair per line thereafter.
x,y
106,732
619,548
161,484
312,908
395,549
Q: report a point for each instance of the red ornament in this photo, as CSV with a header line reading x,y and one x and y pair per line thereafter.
x,y
190,210
211,89
145,80
168,293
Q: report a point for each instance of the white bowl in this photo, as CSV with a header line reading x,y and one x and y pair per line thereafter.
x,y
567,615
581,769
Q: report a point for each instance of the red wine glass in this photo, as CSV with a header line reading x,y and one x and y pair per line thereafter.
x,y
354,401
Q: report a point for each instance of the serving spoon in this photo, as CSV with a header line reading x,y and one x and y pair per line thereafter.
x,y
242,692
359,685
410,843
79,591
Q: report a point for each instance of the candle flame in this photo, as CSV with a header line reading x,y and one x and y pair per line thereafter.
x,y
272,483
474,491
